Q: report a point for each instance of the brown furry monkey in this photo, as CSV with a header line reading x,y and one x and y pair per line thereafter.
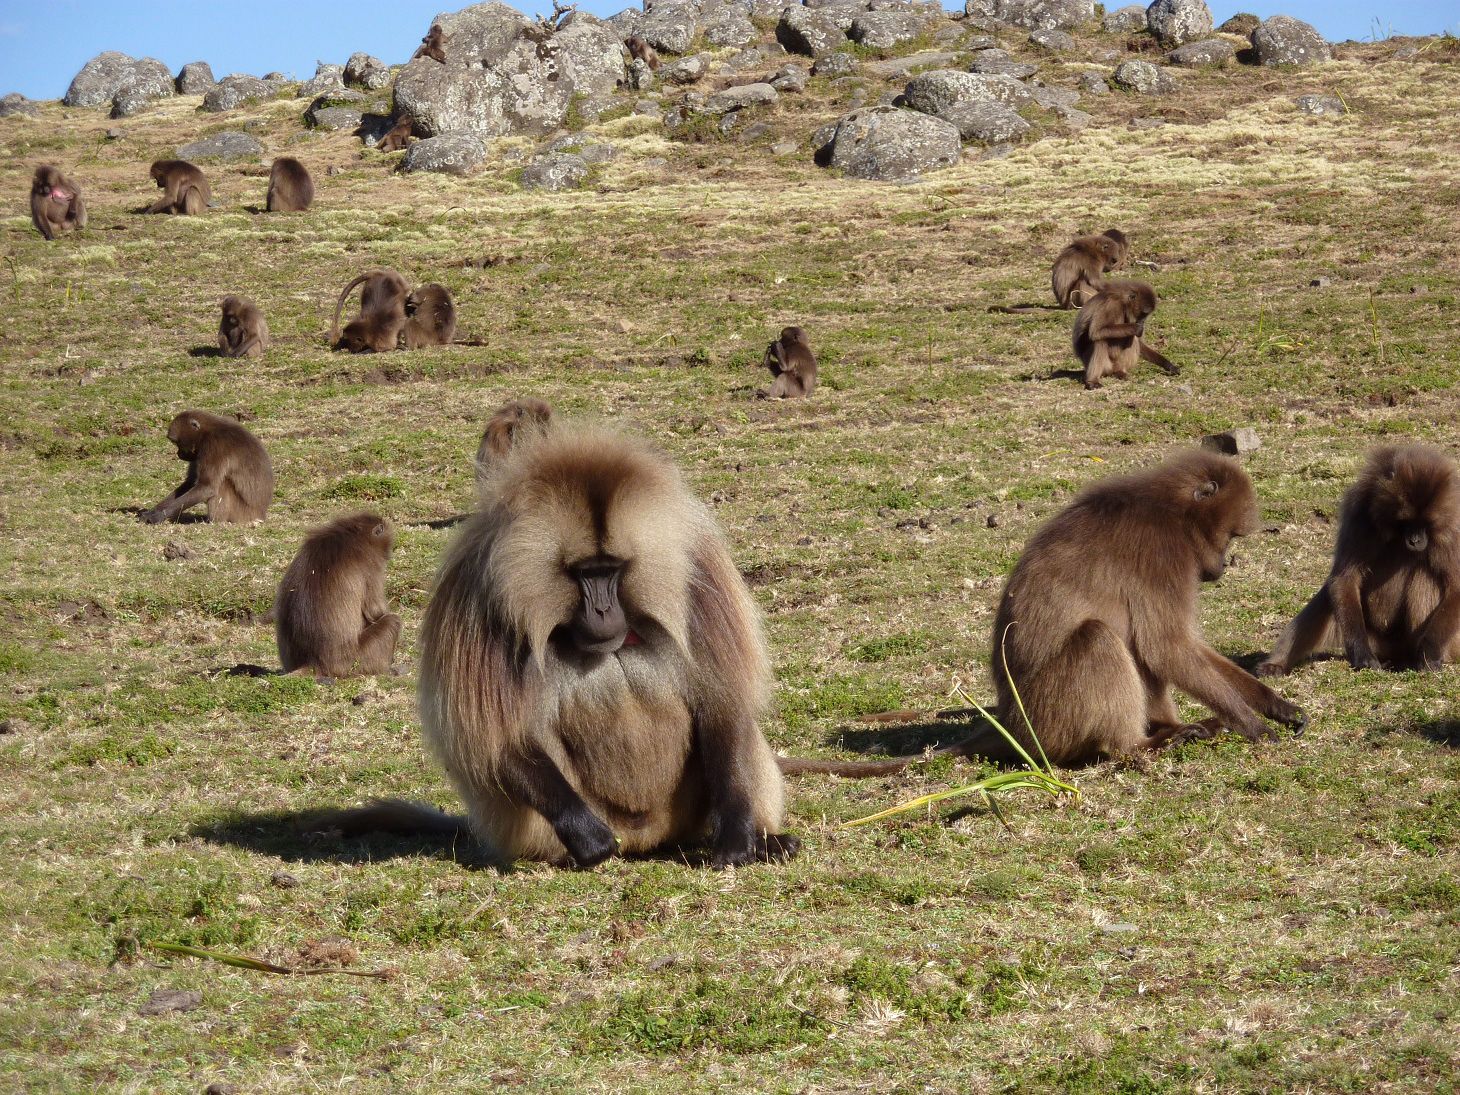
x,y
515,418
185,189
792,363
1079,270
1392,599
228,470
291,190
592,667
640,50
398,137
1095,639
330,614
430,316
382,314
433,45
55,203
242,331
1109,335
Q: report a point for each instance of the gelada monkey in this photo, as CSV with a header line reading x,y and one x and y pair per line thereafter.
x,y
185,188
592,667
433,45
242,331
1109,335
430,317
55,203
640,50
1079,270
398,136
514,419
382,313
330,614
1392,599
1094,632
291,190
792,363
228,470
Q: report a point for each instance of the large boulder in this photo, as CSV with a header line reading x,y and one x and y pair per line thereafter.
x,y
1124,20
736,98
1283,40
934,92
225,146
997,62
989,123
367,71
16,103
731,29
888,144
885,29
108,75
1176,22
555,171
504,74
233,91
326,80
1033,14
448,153
670,28
1144,78
195,78
808,31
1207,51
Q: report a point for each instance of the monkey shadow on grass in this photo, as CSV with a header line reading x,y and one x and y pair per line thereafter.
x,y
1444,732
440,522
180,519
205,351
905,739
306,836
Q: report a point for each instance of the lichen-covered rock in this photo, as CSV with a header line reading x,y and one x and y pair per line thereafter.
x,y
790,78
446,153
731,29
367,71
687,70
505,75
230,145
808,31
1056,41
888,144
737,98
1144,77
326,113
885,29
326,79
988,123
1092,83
1283,40
1321,104
108,75
934,92
1124,20
16,103
996,62
669,29
195,78
834,64
233,91
1207,51
641,77
1033,14
627,22
556,171
1176,22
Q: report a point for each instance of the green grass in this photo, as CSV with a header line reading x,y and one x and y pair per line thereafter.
x,y
1223,917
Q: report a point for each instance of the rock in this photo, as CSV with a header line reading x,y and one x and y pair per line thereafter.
x,y
585,148
995,62
790,78
834,64
446,153
233,91
885,29
736,98
993,521
1054,98
1092,83
731,29
687,70
326,80
627,22
229,145
283,880
16,103
1176,22
173,550
1234,442
109,74
1124,20
1207,51
1056,41
367,71
558,171
888,144
895,68
669,29
1033,14
1321,104
128,103
1075,119
783,148
335,118
1144,77
1283,40
1242,24
503,75
988,123
114,134
1320,283
843,13
164,1001
194,78
808,31
934,92
641,76
276,80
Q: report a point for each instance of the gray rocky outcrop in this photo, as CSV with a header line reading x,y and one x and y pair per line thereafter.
x,y
834,64
195,78
790,78
326,80
1176,22
505,75
988,123
1283,40
1124,20
112,75
737,98
888,144
934,92
730,29
366,71
669,28
808,31
885,29
1092,83
1207,51
555,171
233,91
16,103
1143,77
1321,104
446,153
996,62
1033,14
329,113
226,146
1055,41
687,70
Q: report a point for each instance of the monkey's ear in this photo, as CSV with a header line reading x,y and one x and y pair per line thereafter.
x,y
1205,491
379,530
193,423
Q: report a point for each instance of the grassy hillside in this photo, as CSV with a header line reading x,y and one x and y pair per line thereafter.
x,y
1224,917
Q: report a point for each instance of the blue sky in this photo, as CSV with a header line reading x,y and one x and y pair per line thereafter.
x,y
262,35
